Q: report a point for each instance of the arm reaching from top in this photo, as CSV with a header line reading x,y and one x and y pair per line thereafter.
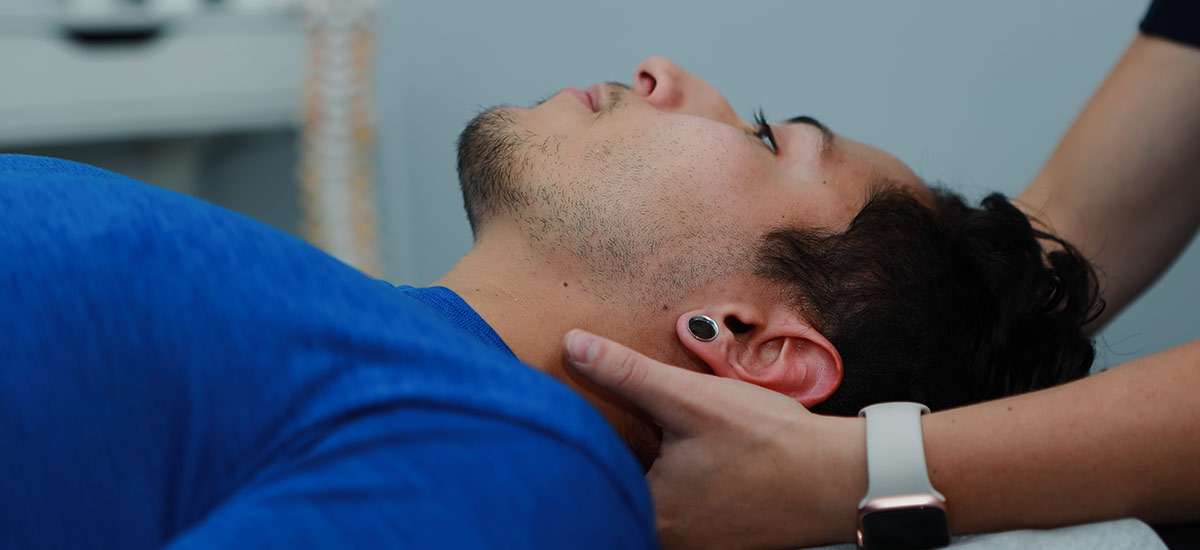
x,y
1123,186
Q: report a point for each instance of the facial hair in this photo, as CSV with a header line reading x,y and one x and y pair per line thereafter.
x,y
488,151
626,247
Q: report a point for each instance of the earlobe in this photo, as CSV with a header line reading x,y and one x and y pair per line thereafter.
x,y
716,352
780,351
703,328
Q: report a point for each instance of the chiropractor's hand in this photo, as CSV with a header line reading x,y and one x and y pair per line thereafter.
x,y
740,466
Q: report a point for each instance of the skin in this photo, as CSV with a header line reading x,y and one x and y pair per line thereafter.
x,y
1122,185
627,221
1103,189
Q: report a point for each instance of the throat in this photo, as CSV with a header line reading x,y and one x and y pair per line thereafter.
x,y
532,309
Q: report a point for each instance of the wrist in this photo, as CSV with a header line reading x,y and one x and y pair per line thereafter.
x,y
841,462
854,458
901,508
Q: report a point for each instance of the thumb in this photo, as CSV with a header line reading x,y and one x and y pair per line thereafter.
x,y
669,394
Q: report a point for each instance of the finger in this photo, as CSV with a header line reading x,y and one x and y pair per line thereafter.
x,y
669,394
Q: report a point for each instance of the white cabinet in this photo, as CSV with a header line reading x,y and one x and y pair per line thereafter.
x,y
212,71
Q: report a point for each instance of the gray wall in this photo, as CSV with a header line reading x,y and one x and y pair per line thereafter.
x,y
970,93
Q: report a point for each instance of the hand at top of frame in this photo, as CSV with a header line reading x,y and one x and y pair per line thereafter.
x,y
740,466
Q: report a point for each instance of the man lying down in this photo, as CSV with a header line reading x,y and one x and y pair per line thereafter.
x,y
179,376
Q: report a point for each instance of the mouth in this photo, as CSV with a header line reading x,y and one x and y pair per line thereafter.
x,y
590,98
593,93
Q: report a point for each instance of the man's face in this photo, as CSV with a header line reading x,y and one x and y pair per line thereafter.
x,y
661,186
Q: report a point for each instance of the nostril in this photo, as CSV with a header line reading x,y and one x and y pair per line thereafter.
x,y
645,83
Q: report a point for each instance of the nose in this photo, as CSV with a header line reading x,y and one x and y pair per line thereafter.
x,y
669,87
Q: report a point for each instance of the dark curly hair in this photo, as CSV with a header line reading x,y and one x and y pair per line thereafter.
x,y
944,304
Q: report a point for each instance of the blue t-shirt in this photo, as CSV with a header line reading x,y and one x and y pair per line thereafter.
x,y
176,375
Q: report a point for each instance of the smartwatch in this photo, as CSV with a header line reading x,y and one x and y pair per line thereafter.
x,y
901,510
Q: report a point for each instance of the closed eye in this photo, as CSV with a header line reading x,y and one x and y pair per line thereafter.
x,y
763,132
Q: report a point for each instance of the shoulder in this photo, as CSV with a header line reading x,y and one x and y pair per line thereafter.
x,y
437,442
437,475
302,391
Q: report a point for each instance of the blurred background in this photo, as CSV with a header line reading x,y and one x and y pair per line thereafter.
x,y
250,103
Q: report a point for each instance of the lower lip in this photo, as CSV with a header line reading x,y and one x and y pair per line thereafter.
x,y
581,95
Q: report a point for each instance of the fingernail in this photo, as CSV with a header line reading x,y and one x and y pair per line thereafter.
x,y
581,348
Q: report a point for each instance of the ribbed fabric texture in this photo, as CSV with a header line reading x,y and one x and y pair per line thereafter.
x,y
455,310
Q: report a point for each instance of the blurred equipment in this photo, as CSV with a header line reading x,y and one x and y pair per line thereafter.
x,y
92,71
335,166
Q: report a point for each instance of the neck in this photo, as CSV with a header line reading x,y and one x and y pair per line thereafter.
x,y
531,304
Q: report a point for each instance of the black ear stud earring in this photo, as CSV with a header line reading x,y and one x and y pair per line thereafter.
x,y
703,328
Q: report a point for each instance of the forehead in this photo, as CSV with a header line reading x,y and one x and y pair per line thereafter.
x,y
877,169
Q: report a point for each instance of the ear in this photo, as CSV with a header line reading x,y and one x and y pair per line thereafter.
x,y
773,347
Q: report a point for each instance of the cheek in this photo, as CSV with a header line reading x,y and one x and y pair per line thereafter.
x,y
694,174
711,159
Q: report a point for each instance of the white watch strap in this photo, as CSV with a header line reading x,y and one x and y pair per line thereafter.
x,y
896,451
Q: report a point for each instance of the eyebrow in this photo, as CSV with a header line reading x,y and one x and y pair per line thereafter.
x,y
826,133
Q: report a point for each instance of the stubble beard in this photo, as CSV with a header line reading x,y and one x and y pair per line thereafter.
x,y
489,151
626,254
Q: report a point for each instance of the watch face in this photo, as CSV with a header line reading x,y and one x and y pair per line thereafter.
x,y
906,528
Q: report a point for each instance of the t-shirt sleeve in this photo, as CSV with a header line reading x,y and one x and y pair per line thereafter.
x,y
1177,20
430,478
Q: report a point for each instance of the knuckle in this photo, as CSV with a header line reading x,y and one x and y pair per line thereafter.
x,y
627,371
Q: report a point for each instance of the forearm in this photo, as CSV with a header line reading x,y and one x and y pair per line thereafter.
x,y
1124,184
1121,443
